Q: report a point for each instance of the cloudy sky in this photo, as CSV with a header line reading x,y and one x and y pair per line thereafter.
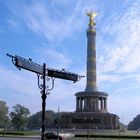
x,y
54,32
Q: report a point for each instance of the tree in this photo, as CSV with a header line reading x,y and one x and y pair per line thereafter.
x,y
19,117
35,121
135,124
3,114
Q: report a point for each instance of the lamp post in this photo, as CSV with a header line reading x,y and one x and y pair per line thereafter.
x,y
43,72
43,102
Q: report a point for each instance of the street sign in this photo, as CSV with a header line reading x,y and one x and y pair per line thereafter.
x,y
63,75
34,67
28,65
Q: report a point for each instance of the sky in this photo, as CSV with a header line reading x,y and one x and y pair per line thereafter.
x,y
54,32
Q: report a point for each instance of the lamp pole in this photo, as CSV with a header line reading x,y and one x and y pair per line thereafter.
x,y
43,101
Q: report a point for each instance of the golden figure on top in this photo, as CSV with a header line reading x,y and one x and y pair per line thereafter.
x,y
91,15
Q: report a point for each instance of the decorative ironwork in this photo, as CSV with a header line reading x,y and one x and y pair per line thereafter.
x,y
47,87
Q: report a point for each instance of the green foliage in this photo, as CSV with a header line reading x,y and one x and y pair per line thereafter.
x,y
135,124
107,136
50,117
11,133
18,133
35,121
3,115
19,117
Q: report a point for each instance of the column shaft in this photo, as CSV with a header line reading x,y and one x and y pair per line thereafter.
x,y
105,104
97,103
91,61
77,103
102,107
80,103
85,103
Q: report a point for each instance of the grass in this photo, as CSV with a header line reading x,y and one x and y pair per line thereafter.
x,y
100,139
93,135
107,135
18,133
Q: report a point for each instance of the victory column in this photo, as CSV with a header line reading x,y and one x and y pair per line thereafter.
x,y
91,104
91,54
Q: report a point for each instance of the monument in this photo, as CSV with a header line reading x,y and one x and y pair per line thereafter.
x,y
91,104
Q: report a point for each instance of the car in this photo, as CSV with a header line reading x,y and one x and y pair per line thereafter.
x,y
51,135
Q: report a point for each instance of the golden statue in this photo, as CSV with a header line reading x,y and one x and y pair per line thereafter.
x,y
91,15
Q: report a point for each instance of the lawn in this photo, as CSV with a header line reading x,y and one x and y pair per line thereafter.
x,y
18,133
107,134
100,139
83,134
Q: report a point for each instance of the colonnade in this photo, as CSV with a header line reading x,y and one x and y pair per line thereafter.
x,y
91,103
